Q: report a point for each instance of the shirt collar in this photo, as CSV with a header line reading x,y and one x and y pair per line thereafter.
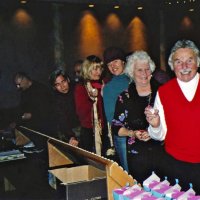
x,y
190,83
189,88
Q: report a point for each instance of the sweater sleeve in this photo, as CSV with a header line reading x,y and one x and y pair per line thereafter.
x,y
82,102
109,103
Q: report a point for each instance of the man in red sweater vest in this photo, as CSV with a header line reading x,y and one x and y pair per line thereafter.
x,y
175,118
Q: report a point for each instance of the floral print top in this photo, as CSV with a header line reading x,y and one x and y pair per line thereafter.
x,y
129,108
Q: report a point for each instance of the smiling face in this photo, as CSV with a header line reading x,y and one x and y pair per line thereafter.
x,y
95,73
185,64
116,67
142,73
61,84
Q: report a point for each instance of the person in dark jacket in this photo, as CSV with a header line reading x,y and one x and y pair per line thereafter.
x,y
35,109
64,108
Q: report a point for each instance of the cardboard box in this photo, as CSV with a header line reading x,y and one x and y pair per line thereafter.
x,y
79,183
62,154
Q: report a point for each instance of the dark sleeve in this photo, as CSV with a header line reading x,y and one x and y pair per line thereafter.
x,y
39,101
120,115
72,111
62,117
70,134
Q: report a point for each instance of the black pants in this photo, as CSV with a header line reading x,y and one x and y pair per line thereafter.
x,y
144,159
153,157
87,140
184,171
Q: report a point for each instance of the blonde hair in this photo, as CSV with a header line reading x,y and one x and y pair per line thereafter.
x,y
90,63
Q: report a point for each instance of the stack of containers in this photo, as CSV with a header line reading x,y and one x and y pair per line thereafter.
x,y
154,188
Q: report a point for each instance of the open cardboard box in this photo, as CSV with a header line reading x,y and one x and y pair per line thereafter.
x,y
78,174
91,177
81,182
62,154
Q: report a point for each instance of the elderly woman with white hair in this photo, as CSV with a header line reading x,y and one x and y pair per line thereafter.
x,y
129,118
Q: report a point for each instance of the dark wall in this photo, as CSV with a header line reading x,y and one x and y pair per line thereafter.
x,y
24,47
29,46
110,37
177,28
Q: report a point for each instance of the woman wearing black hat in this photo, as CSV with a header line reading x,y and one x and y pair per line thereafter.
x,y
114,58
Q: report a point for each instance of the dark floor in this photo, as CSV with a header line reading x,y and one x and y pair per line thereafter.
x,y
30,178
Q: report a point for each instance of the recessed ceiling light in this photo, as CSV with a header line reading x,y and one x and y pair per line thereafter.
x,y
139,7
191,9
91,5
23,1
116,7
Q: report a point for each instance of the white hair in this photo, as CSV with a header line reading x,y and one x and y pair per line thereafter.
x,y
137,55
183,44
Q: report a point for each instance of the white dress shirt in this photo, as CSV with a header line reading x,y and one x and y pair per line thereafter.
x,y
188,89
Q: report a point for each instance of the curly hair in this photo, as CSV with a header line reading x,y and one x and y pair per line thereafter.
x,y
137,55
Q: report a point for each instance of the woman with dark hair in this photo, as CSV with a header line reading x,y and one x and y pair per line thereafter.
x,y
64,107
114,59
89,105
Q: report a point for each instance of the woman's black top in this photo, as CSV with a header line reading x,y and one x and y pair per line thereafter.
x,y
129,109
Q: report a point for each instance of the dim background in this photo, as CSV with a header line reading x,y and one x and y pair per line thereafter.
x,y
38,36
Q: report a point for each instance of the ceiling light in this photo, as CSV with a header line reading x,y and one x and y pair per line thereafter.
x,y
23,1
116,7
191,9
139,7
91,5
